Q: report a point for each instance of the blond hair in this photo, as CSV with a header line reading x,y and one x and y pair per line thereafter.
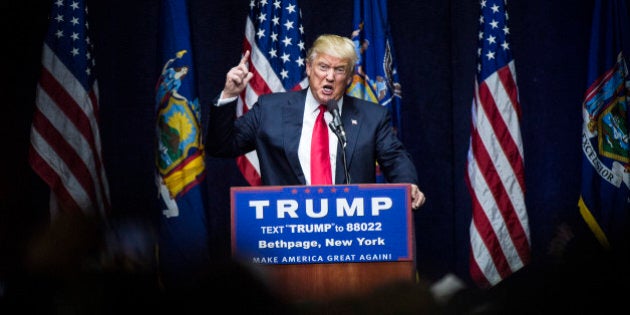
x,y
336,46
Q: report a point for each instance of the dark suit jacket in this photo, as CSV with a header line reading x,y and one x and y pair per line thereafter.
x,y
273,126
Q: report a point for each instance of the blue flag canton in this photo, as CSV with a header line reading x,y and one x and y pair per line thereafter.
x,y
69,38
279,31
494,45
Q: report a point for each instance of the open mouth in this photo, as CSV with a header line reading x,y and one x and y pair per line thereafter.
x,y
328,89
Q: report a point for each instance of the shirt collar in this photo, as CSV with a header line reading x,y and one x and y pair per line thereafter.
x,y
312,104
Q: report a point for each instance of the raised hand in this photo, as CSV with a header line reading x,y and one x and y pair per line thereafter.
x,y
237,78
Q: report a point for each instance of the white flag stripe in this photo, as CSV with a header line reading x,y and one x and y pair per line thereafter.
x,y
250,97
260,62
253,159
74,139
277,64
72,136
62,171
498,157
493,214
482,256
72,86
65,149
505,107
503,165
512,119
499,231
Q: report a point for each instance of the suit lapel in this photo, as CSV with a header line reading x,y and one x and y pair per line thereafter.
x,y
351,124
293,113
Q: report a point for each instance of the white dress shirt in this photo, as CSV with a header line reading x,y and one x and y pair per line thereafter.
x,y
311,110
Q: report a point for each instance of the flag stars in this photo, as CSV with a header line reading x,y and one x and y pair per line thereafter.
x,y
288,24
495,8
74,5
291,8
262,17
494,24
285,57
281,27
263,3
505,45
74,21
287,41
74,36
260,33
491,39
490,55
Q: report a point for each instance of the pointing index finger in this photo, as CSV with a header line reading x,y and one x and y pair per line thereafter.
x,y
245,58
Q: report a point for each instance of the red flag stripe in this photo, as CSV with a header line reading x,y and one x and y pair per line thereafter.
x,y
500,139
495,167
83,118
498,117
475,272
52,179
484,238
77,124
264,80
499,231
65,142
62,156
508,201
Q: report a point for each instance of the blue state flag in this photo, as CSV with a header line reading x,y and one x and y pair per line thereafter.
x,y
180,165
376,75
605,193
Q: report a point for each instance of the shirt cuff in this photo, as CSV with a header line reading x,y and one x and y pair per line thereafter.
x,y
223,101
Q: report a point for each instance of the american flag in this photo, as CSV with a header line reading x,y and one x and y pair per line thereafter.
x,y
499,231
273,34
65,148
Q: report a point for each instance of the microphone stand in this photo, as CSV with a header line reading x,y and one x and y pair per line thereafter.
x,y
337,132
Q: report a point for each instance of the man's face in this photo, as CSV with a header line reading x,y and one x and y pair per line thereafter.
x,y
328,77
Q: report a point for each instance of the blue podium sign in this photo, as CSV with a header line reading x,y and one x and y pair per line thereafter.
x,y
321,224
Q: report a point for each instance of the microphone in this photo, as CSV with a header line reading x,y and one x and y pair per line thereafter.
x,y
337,127
336,124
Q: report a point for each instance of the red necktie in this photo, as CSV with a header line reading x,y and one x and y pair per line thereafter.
x,y
320,158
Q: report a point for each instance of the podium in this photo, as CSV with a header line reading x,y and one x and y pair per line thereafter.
x,y
319,243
